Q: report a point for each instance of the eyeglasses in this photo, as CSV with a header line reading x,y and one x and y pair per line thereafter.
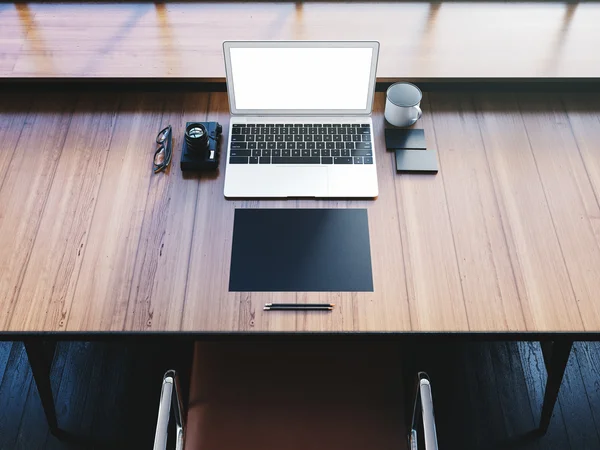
x,y
164,151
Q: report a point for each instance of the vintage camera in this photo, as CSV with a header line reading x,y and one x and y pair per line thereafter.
x,y
200,150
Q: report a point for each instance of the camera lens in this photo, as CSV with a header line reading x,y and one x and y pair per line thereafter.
x,y
196,137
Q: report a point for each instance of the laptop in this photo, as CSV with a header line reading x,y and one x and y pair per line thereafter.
x,y
301,119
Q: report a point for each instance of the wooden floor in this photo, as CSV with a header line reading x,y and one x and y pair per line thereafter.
x,y
487,395
106,394
183,40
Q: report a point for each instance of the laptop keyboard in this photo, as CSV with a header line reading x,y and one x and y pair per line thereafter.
x,y
301,144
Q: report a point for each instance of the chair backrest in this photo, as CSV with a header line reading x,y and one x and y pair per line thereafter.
x,y
171,402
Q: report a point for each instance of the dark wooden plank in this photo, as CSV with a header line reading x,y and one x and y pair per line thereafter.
x,y
512,392
467,407
484,411
33,430
13,395
534,372
454,384
126,412
587,355
99,360
74,386
579,420
141,383
108,421
79,390
5,347
127,406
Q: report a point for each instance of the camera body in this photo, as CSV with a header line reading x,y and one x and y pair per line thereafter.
x,y
201,149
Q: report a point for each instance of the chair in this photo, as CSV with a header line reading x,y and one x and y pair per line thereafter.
x,y
291,397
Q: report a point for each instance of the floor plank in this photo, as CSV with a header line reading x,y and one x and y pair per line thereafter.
x,y
5,348
534,373
33,431
482,394
75,386
588,360
578,417
510,384
106,395
13,395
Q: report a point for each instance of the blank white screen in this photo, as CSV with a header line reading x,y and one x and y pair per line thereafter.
x,y
301,78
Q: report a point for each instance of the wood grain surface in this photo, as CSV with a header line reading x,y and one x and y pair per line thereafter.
x,y
184,40
505,238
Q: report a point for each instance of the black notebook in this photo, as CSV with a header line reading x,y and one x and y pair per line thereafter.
x,y
397,139
289,250
416,161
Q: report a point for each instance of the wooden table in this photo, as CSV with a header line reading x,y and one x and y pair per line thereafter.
x,y
504,239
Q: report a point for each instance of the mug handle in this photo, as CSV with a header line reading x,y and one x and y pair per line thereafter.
x,y
419,114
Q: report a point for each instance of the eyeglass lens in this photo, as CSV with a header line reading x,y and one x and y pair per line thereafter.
x,y
159,156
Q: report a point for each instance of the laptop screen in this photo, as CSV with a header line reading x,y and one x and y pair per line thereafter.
x,y
302,78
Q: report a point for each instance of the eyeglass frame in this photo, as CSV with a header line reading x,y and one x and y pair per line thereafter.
x,y
164,135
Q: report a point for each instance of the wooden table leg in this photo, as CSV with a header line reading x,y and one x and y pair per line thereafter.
x,y
40,367
556,356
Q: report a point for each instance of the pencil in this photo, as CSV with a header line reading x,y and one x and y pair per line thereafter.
x,y
300,305
295,307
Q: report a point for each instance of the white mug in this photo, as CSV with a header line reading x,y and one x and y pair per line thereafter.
x,y
402,104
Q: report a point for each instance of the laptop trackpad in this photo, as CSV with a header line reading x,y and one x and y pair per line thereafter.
x,y
296,181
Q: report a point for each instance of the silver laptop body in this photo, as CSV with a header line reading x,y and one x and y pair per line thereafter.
x,y
319,89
